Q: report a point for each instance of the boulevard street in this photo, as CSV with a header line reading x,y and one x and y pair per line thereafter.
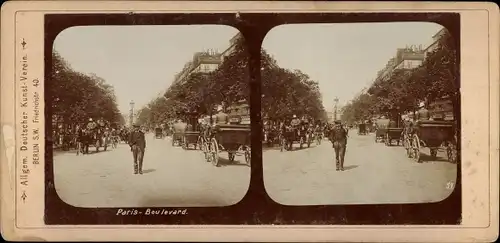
x,y
375,174
173,176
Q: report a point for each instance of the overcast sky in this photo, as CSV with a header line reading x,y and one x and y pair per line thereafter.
x,y
343,58
140,61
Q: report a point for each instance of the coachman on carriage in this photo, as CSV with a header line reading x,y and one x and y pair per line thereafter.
x,y
227,134
192,132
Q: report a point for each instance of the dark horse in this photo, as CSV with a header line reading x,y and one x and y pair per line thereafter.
x,y
83,140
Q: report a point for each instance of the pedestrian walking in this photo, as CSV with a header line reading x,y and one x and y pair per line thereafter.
x,y
338,137
137,143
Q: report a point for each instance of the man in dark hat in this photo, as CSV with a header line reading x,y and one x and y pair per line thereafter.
x,y
137,143
338,137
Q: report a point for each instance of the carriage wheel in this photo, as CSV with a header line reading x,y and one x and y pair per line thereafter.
x,y
184,145
199,143
248,156
416,148
451,153
214,152
407,145
206,151
78,148
284,144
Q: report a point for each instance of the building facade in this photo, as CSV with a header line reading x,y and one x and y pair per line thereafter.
x,y
409,58
202,62
208,61
434,42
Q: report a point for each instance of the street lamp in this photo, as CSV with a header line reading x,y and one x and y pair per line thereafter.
x,y
336,101
132,112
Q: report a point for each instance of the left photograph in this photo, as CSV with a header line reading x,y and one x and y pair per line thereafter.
x,y
150,116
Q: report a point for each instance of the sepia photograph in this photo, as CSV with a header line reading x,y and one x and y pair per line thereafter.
x,y
360,113
249,121
150,116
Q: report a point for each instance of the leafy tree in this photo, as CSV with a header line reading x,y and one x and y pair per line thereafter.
x,y
435,79
285,92
75,96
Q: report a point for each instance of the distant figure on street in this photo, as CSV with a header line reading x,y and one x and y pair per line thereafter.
x,y
137,143
338,137
221,117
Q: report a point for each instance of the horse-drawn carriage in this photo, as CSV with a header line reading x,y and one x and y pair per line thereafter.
x,y
233,138
158,133
362,129
291,135
271,136
436,135
393,133
177,138
190,138
95,137
381,130
318,137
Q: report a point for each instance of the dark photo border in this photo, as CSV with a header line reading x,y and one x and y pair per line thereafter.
x,y
256,208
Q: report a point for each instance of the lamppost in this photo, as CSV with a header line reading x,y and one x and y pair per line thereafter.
x,y
131,113
336,102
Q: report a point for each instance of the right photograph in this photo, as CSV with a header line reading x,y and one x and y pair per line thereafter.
x,y
360,113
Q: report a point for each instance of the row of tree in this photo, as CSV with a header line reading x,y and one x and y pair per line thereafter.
x,y
435,79
284,92
75,97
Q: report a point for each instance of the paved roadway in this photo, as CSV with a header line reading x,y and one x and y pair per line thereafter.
x,y
172,177
375,173
175,177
